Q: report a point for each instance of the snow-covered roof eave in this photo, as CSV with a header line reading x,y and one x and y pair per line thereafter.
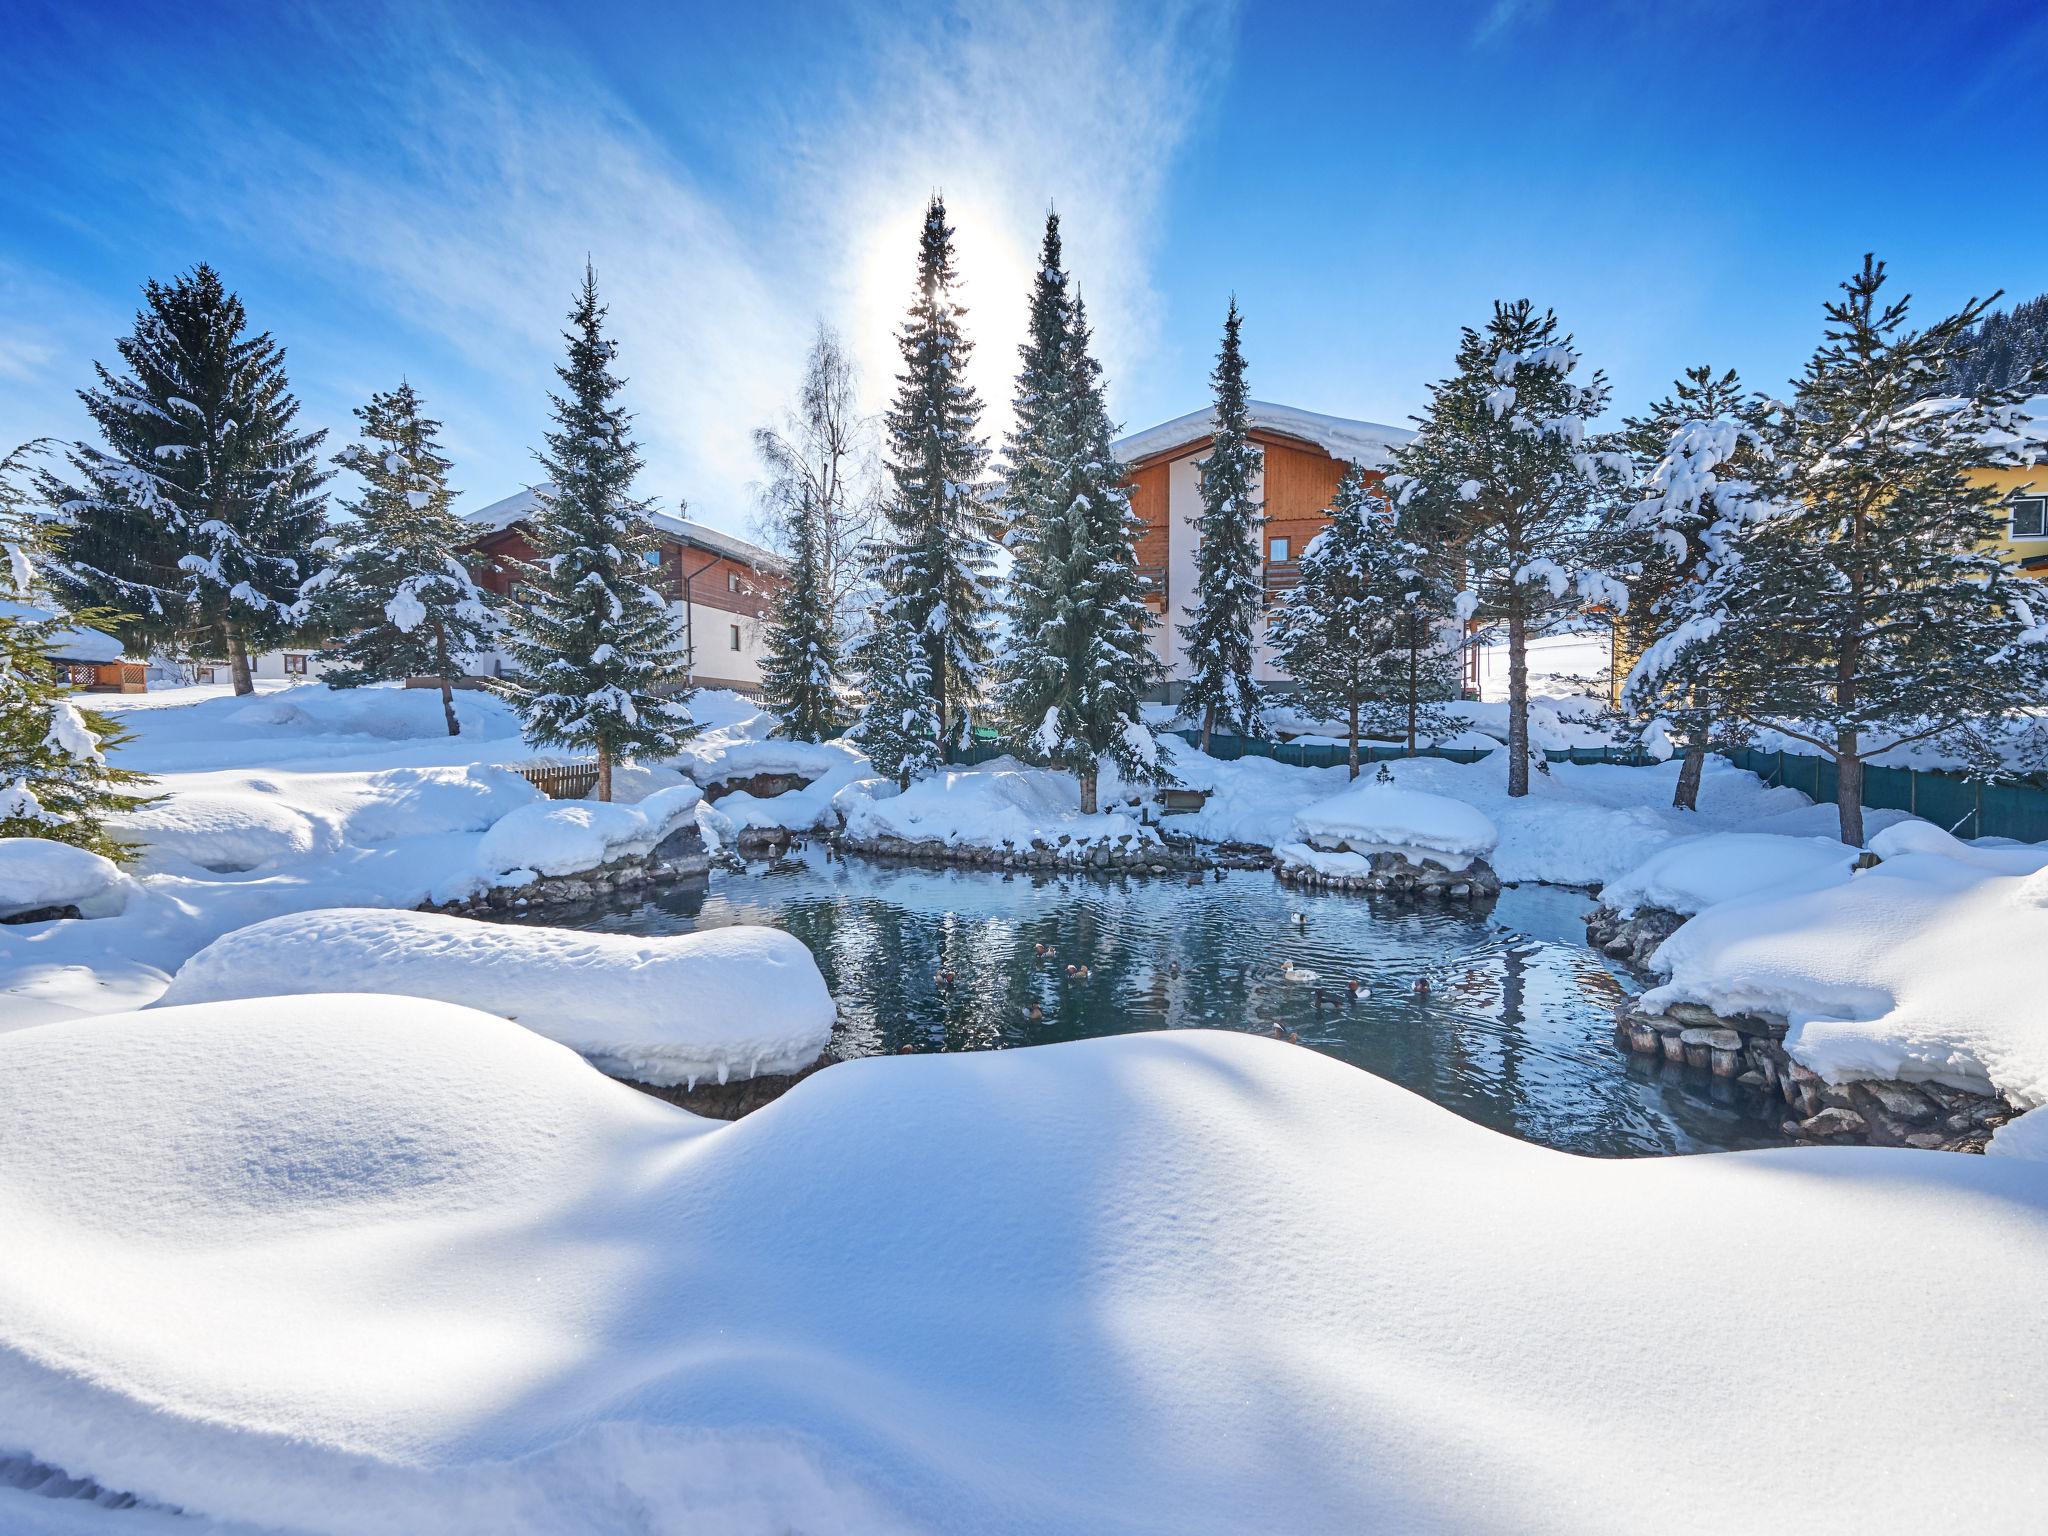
x,y
74,644
520,507
1368,443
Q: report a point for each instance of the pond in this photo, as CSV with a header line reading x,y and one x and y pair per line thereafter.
x,y
1515,1030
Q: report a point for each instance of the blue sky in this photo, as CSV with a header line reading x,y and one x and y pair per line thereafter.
x,y
411,190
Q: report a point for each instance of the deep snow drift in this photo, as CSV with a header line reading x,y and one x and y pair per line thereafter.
x,y
1926,967
1693,874
397,1267
1371,817
37,873
726,1003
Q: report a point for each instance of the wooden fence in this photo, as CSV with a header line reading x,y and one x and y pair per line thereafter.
x,y
559,781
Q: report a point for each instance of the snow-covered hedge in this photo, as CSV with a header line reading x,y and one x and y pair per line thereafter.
x,y
566,837
1925,968
722,1004
1695,873
1371,817
36,873
398,1267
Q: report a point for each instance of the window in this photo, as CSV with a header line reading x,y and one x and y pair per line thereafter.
x,y
1278,549
295,666
652,557
202,674
2030,517
732,581
735,635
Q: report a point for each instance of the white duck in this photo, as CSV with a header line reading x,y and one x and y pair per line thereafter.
x,y
1289,971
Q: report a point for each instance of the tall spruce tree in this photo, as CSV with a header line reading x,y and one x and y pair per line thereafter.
x,y
396,590
934,557
898,723
1081,660
1699,453
1221,635
197,520
1860,598
1502,472
55,780
1358,632
602,660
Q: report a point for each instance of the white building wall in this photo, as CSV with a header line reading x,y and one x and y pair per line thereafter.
x,y
1183,517
713,658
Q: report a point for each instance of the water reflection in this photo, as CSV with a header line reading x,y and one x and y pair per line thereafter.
x,y
1514,1030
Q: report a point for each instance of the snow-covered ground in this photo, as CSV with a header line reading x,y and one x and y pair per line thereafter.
x,y
1694,873
384,1266
995,804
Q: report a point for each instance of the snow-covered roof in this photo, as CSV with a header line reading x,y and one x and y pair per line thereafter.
x,y
75,644
1363,442
521,506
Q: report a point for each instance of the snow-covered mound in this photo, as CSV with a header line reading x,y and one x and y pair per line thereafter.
x,y
722,1004
1925,968
36,873
566,837
1692,875
1372,817
394,1267
995,804
833,768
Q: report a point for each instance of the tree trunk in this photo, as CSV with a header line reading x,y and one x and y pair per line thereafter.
x,y
238,658
447,693
1518,700
1849,786
1087,778
1208,725
1687,796
1414,685
604,772
1354,738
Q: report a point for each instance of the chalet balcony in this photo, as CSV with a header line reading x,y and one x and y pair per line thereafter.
x,y
1281,575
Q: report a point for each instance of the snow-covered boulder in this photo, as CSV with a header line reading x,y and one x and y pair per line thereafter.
x,y
1643,908
44,879
723,1004
567,837
396,1267
1379,836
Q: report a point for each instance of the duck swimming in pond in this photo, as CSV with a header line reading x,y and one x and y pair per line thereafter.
x,y
1421,987
1354,990
1300,919
1289,971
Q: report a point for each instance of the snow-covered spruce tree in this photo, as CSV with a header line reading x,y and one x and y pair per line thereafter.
x,y
55,781
1858,598
602,660
1502,473
395,591
1080,660
1358,633
937,543
1230,584
819,509
197,520
898,723
1699,453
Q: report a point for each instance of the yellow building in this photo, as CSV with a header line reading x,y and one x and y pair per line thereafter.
x,y
2024,494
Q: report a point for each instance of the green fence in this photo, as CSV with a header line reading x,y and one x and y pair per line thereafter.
x,y
1317,754
1967,807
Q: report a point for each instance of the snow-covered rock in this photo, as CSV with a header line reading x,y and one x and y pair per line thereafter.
x,y
1372,817
37,874
1924,968
1001,803
394,1267
725,1003
1688,876
566,837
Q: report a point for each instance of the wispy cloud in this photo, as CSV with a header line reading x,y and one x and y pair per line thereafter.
x,y
1503,16
490,173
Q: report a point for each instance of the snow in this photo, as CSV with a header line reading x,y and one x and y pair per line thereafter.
x,y
1369,443
563,837
1693,874
1371,817
997,804
1924,968
728,1003
405,1269
75,643
523,506
36,872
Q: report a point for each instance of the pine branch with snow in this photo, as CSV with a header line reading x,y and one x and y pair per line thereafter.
x,y
898,722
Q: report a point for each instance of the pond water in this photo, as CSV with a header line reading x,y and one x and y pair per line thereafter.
x,y
1515,1031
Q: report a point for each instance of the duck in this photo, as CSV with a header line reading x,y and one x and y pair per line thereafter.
x,y
1355,989
1173,967
1421,987
1035,1014
1073,970
1289,971
1300,919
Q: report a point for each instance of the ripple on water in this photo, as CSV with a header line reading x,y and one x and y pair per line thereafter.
x,y
1514,1030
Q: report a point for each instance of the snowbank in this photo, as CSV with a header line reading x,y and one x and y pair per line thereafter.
x,y
1691,875
566,837
726,1003
36,873
1373,817
993,805
397,1267
1925,968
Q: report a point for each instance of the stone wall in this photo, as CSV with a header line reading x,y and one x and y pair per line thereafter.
x,y
1750,1050
1631,939
679,856
1126,854
1394,874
